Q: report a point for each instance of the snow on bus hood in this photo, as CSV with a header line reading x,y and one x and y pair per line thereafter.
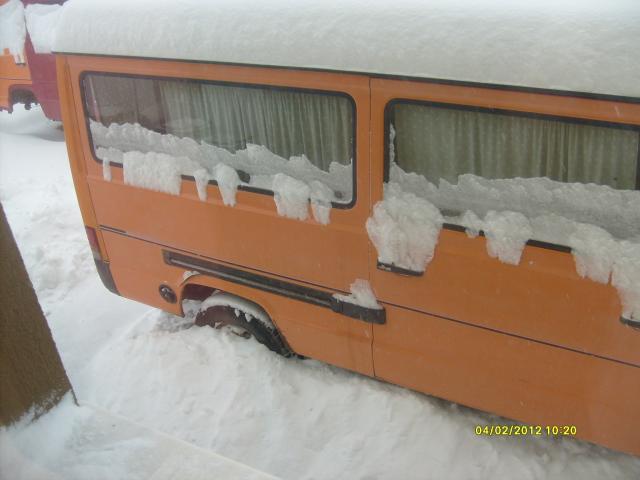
x,y
574,45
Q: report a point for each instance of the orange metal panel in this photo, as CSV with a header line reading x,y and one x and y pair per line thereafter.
x,y
513,377
543,298
12,74
138,269
251,233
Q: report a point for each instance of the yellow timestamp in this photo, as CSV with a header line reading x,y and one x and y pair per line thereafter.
x,y
526,430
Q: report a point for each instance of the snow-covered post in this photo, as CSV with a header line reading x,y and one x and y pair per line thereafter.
x,y
32,378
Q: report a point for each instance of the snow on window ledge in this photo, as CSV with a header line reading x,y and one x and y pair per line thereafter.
x,y
404,226
297,183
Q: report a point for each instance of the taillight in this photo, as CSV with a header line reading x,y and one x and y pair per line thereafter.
x,y
93,242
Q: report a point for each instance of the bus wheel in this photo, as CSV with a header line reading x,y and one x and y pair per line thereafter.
x,y
244,325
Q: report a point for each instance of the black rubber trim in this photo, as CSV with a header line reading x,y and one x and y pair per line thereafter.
x,y
105,275
279,287
390,267
630,322
530,243
282,88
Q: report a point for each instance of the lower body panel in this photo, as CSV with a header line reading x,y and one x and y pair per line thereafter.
x,y
532,382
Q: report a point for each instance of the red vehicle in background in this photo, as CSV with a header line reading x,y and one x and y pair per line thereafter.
x,y
32,78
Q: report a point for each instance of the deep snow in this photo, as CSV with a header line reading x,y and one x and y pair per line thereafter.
x,y
291,418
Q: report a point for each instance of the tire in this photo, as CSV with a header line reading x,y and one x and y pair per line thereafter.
x,y
268,335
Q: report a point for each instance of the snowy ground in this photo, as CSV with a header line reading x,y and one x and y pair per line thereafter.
x,y
160,399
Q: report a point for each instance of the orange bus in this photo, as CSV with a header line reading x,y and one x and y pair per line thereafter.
x,y
29,77
357,199
15,83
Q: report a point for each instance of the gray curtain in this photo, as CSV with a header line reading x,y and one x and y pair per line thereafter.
x,y
444,143
287,122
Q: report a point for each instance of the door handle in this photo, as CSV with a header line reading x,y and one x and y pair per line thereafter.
x,y
630,322
390,267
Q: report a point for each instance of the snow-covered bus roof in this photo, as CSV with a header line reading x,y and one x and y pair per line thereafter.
x,y
590,46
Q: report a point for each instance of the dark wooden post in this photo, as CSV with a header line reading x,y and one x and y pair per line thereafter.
x,y
31,373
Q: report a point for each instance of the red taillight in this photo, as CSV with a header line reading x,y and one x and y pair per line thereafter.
x,y
93,242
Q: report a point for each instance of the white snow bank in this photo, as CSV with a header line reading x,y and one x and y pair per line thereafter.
x,y
576,45
361,294
404,229
12,29
80,443
42,21
294,181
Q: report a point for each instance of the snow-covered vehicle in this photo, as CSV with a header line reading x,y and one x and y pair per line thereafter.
x,y
27,67
459,215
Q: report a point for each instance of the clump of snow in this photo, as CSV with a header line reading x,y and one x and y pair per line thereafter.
x,y
12,29
42,21
154,171
228,181
594,251
404,229
602,258
291,197
361,294
626,278
320,197
201,177
106,167
573,45
507,234
188,274
240,305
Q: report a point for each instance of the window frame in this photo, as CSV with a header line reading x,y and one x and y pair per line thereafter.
x,y
281,88
515,113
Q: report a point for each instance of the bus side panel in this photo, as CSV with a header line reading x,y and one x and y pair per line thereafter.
x,y
251,233
138,269
513,377
543,298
